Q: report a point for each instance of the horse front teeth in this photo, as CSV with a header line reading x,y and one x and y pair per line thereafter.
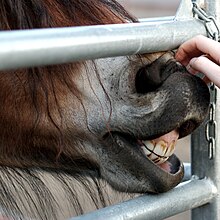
x,y
158,152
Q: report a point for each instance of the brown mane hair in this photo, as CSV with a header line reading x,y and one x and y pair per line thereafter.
x,y
59,13
26,95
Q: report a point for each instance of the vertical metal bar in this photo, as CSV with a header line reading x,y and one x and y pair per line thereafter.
x,y
202,166
213,8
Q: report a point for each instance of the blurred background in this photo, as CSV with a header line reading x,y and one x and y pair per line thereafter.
x,y
150,8
159,8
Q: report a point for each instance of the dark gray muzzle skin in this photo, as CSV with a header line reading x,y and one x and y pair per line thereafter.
x,y
178,98
171,98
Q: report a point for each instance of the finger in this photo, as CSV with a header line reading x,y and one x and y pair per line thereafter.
x,y
195,72
207,67
188,50
197,46
190,66
191,70
183,55
198,73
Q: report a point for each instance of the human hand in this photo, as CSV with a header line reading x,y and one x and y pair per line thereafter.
x,y
201,54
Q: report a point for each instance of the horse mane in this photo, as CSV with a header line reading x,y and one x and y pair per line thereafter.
x,y
59,13
37,168
27,94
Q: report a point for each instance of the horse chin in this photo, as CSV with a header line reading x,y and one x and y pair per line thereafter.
x,y
136,172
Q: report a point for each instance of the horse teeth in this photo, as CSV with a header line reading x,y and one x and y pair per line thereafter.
x,y
155,158
158,152
170,149
161,160
146,151
150,145
160,148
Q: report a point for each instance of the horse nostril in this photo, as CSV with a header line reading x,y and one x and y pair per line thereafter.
x,y
152,76
187,128
144,82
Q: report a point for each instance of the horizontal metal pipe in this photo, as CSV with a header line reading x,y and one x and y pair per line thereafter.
x,y
186,196
28,48
158,19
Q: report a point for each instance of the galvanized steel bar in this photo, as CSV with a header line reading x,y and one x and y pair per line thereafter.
x,y
54,46
202,166
184,197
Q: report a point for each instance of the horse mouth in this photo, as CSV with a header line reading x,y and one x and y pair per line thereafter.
x,y
150,160
159,151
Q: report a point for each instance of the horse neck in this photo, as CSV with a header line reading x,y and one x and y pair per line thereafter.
x,y
53,195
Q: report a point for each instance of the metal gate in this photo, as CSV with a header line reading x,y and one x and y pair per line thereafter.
x,y
33,47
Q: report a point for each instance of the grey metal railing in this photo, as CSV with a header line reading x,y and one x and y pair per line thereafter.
x,y
52,46
60,45
186,196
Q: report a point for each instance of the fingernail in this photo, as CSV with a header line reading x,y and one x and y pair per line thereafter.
x,y
190,69
192,61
